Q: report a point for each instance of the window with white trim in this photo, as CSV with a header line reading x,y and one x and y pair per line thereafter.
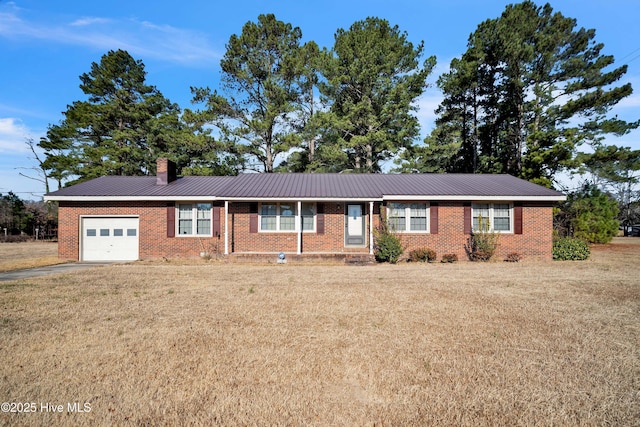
x,y
308,212
408,217
492,217
278,216
194,219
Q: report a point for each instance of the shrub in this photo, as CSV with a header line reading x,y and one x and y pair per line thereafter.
x,y
482,243
388,246
422,255
570,249
449,258
513,257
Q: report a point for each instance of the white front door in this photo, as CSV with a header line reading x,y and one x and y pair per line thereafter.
x,y
354,228
109,238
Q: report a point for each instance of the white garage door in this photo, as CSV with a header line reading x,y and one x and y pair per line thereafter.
x,y
110,239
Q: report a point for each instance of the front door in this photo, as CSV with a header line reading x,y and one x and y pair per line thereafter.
x,y
354,234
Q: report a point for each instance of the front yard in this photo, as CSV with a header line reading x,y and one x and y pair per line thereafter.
x,y
167,343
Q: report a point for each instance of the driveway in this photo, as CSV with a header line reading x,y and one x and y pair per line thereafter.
x,y
43,271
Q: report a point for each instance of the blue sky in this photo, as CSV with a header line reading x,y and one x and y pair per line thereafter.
x,y
46,46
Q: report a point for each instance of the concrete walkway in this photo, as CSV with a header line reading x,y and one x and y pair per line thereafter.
x,y
43,271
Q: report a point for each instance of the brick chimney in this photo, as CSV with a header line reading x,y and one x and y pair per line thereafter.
x,y
165,171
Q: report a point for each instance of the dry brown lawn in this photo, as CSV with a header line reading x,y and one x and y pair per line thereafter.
x,y
18,256
532,343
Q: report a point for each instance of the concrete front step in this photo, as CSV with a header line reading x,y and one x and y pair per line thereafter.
x,y
340,258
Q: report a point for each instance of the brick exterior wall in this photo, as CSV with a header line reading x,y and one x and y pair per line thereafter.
x,y
154,242
534,242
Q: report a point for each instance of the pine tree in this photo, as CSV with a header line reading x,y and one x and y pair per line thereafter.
x,y
123,126
372,80
529,90
262,84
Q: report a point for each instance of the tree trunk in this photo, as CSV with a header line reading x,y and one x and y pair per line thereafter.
x,y
357,160
369,151
268,163
312,142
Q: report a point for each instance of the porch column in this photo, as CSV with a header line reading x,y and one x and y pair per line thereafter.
x,y
299,222
371,228
226,227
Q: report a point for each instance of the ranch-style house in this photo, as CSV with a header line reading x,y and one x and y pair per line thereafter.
x,y
120,218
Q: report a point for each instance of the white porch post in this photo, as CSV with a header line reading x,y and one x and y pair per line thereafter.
x,y
371,228
299,222
226,227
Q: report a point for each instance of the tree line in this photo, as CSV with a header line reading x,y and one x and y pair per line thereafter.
x,y
26,218
532,96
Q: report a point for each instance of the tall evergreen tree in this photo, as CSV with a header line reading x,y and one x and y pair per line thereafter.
x,y
530,89
123,126
261,85
372,81
307,109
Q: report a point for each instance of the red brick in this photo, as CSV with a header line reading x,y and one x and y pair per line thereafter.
x,y
534,242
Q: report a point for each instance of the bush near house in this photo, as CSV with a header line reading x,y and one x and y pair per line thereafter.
x,y
513,257
570,249
387,246
449,258
422,255
483,242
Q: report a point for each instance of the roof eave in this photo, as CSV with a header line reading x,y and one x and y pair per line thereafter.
x,y
395,197
295,199
496,198
54,198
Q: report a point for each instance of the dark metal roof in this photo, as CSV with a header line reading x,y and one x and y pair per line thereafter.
x,y
348,186
462,185
377,186
310,186
145,186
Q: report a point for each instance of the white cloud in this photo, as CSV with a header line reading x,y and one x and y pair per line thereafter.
x,y
82,22
142,39
13,135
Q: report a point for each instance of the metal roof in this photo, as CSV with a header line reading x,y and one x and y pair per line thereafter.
x,y
141,187
310,186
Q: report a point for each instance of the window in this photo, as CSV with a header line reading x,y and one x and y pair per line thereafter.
x,y
91,232
418,219
131,232
408,217
203,212
308,216
269,217
193,219
492,217
185,219
117,232
104,232
397,216
285,217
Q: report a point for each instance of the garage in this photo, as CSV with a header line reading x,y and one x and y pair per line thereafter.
x,y
109,238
